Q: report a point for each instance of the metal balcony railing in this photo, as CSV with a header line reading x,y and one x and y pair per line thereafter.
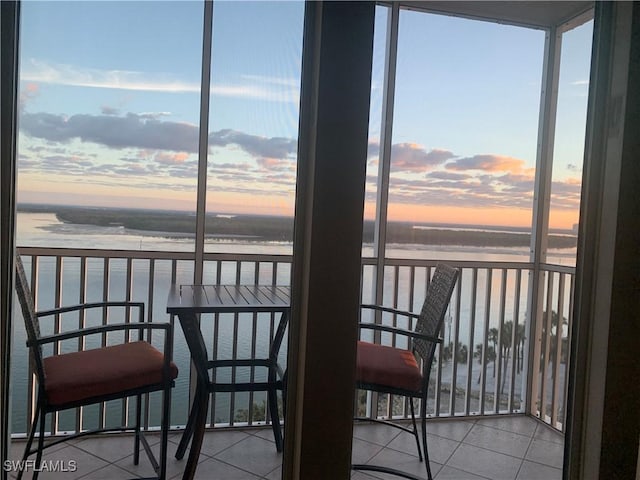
x,y
482,368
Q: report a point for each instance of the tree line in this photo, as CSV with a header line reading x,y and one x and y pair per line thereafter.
x,y
280,228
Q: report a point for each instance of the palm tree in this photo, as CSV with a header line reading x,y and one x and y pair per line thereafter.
x,y
519,346
493,338
447,352
556,328
461,354
490,355
505,348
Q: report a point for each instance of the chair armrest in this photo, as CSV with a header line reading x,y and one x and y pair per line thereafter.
x,y
395,311
400,331
102,329
86,306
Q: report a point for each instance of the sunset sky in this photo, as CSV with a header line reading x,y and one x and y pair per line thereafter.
x,y
110,97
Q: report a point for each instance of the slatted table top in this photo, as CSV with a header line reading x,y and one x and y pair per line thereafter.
x,y
228,298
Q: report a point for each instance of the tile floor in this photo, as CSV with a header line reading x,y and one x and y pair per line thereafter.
x,y
504,448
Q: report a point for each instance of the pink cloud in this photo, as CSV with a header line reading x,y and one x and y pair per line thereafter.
x,y
167,158
488,163
29,91
275,164
411,157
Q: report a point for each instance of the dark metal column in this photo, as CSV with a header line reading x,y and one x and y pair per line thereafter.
x,y
334,121
9,18
604,393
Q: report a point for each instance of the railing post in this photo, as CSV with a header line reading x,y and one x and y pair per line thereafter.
x,y
540,224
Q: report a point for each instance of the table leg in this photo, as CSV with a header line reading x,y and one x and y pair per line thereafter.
x,y
188,430
202,399
275,418
273,409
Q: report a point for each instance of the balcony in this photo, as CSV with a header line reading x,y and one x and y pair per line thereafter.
x,y
503,364
464,389
486,424
509,447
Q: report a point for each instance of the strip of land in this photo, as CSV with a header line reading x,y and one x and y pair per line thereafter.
x,y
280,229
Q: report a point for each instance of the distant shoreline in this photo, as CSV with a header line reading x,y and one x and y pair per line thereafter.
x,y
280,229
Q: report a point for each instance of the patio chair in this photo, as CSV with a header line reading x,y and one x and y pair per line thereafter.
x,y
396,371
85,377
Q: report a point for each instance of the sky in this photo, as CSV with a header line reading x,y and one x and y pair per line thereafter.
x,y
109,111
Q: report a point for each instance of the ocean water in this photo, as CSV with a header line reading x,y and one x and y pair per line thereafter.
x,y
44,230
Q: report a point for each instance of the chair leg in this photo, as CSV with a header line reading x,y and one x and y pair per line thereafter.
x,y
415,428
166,408
40,447
423,417
32,434
136,437
284,396
272,404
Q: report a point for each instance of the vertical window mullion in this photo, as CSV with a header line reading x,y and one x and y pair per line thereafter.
x,y
203,141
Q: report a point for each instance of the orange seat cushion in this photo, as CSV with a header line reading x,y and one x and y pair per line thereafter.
x,y
393,367
77,376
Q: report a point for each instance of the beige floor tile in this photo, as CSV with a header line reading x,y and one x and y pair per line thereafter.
x,y
485,463
536,471
252,454
547,453
501,441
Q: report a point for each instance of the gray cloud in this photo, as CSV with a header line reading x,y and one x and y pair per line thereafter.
x,y
515,182
448,175
112,131
163,151
411,157
276,164
373,149
257,146
107,110
148,131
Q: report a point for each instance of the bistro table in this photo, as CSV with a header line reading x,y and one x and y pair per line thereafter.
x,y
188,302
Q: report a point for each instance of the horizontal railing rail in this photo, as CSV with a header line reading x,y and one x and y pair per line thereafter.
x,y
479,369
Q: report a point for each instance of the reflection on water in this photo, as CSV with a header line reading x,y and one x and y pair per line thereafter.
x,y
44,230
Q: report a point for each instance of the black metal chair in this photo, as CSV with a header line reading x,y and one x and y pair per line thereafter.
x,y
86,377
396,371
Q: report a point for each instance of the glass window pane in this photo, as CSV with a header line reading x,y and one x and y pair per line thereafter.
x,y
253,126
464,138
108,120
568,152
375,125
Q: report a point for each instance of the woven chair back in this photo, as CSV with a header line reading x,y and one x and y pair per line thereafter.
x,y
433,310
29,314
